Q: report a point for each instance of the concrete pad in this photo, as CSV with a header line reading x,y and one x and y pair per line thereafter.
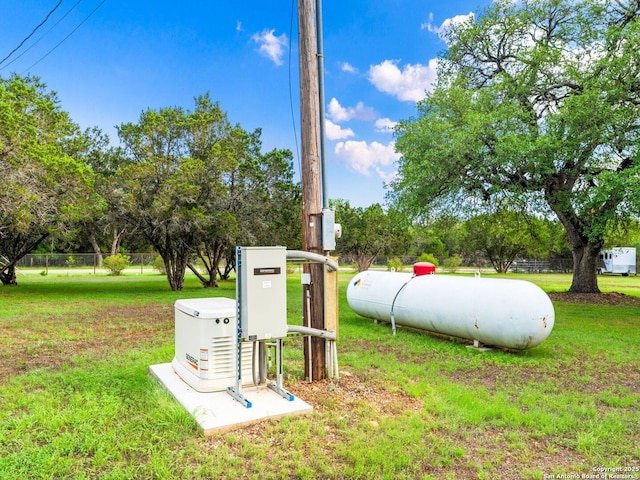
x,y
218,412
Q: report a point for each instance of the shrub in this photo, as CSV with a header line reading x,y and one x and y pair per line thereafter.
x,y
158,264
452,263
395,265
428,257
115,264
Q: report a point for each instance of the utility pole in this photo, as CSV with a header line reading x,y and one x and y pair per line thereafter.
x,y
311,175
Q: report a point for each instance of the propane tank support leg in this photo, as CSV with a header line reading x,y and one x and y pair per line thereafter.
x,y
479,347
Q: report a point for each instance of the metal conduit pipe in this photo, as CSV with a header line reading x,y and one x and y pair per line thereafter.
x,y
393,316
312,257
259,371
313,332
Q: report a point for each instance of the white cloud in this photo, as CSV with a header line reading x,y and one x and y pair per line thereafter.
x,y
238,26
409,84
446,25
335,132
347,67
338,113
387,177
271,46
385,125
364,157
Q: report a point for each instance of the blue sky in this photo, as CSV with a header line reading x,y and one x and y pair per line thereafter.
x,y
109,60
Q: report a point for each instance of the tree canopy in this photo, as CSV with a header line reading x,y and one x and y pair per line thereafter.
x,y
537,104
189,183
196,185
369,232
46,187
503,236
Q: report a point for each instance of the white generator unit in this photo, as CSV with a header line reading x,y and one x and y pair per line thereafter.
x,y
620,260
206,332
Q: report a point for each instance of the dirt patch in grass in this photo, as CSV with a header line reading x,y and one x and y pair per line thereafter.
x,y
609,298
52,342
506,453
583,375
352,390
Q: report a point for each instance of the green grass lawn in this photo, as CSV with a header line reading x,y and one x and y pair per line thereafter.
x,y
77,401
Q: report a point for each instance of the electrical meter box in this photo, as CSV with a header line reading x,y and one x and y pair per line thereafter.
x,y
261,292
206,335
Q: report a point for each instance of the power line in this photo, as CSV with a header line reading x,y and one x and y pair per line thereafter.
x,y
43,35
32,32
293,117
65,38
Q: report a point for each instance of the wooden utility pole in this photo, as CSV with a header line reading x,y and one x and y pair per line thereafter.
x,y
311,174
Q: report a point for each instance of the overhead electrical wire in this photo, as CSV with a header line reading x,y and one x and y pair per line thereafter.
x,y
32,32
293,116
43,35
65,38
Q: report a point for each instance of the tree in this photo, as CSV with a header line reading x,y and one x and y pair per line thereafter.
x,y
259,204
626,234
262,206
237,148
45,188
369,232
196,186
173,183
106,231
426,239
502,236
537,103
278,200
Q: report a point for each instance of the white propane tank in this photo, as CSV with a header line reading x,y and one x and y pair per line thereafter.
x,y
506,313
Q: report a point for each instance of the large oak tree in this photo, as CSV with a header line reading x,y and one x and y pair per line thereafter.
x,y
537,102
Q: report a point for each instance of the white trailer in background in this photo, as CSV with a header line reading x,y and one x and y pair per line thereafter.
x,y
620,260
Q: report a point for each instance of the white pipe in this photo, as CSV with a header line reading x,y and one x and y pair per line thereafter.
x,y
312,257
256,378
309,355
334,366
329,358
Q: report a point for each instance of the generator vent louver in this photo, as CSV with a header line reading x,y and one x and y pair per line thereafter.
x,y
222,357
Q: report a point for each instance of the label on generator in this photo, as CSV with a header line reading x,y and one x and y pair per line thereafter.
x,y
204,362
